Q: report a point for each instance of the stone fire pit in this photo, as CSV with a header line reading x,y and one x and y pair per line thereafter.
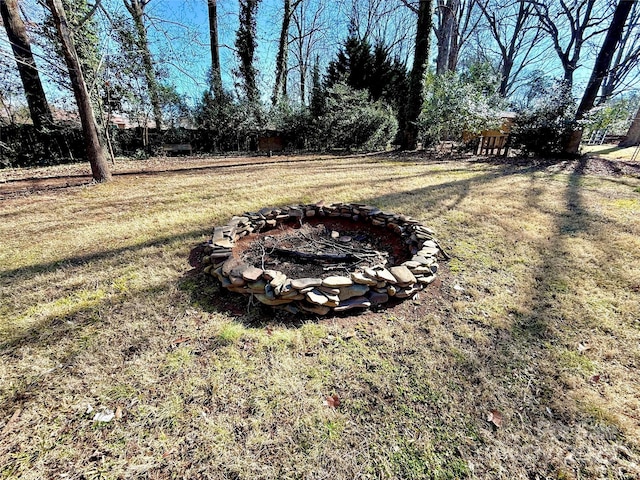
x,y
323,258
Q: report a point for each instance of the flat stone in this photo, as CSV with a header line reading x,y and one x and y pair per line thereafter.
x,y
360,278
333,301
224,243
316,297
257,286
371,273
403,275
385,275
428,251
410,264
344,239
238,269
356,290
229,265
293,295
422,260
426,280
272,301
302,283
407,292
377,298
237,281
268,291
242,290
271,274
337,281
422,270
335,235
218,234
252,274
278,280
355,302
291,308
218,273
221,254
329,290
317,309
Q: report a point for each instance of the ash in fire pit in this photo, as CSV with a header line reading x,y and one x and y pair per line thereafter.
x,y
319,258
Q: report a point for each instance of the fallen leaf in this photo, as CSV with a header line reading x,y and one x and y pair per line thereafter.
x,y
495,417
14,418
332,401
180,340
594,379
168,453
118,413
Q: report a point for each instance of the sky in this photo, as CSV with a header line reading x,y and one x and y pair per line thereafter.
x,y
179,37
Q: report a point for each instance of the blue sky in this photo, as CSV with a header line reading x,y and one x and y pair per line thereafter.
x,y
178,32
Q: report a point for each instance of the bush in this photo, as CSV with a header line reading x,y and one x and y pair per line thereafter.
x,y
455,104
292,122
229,123
352,121
544,129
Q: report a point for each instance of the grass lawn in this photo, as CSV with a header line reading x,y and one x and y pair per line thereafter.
x,y
536,318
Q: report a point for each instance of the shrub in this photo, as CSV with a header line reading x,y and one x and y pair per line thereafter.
x,y
352,121
543,129
292,122
455,104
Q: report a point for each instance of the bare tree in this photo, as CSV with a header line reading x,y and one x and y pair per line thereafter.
x,y
601,67
283,50
623,71
95,153
569,24
216,74
136,10
455,21
308,32
514,29
416,77
17,35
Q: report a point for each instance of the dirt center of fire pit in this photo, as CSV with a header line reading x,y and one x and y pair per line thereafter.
x,y
322,258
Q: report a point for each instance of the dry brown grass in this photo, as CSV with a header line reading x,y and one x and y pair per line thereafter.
x,y
100,307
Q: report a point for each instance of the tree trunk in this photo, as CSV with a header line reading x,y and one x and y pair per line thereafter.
x,y
283,50
216,74
136,9
17,35
95,153
447,35
416,77
633,135
246,46
600,69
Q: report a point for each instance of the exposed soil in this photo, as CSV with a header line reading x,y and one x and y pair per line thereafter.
x,y
321,247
